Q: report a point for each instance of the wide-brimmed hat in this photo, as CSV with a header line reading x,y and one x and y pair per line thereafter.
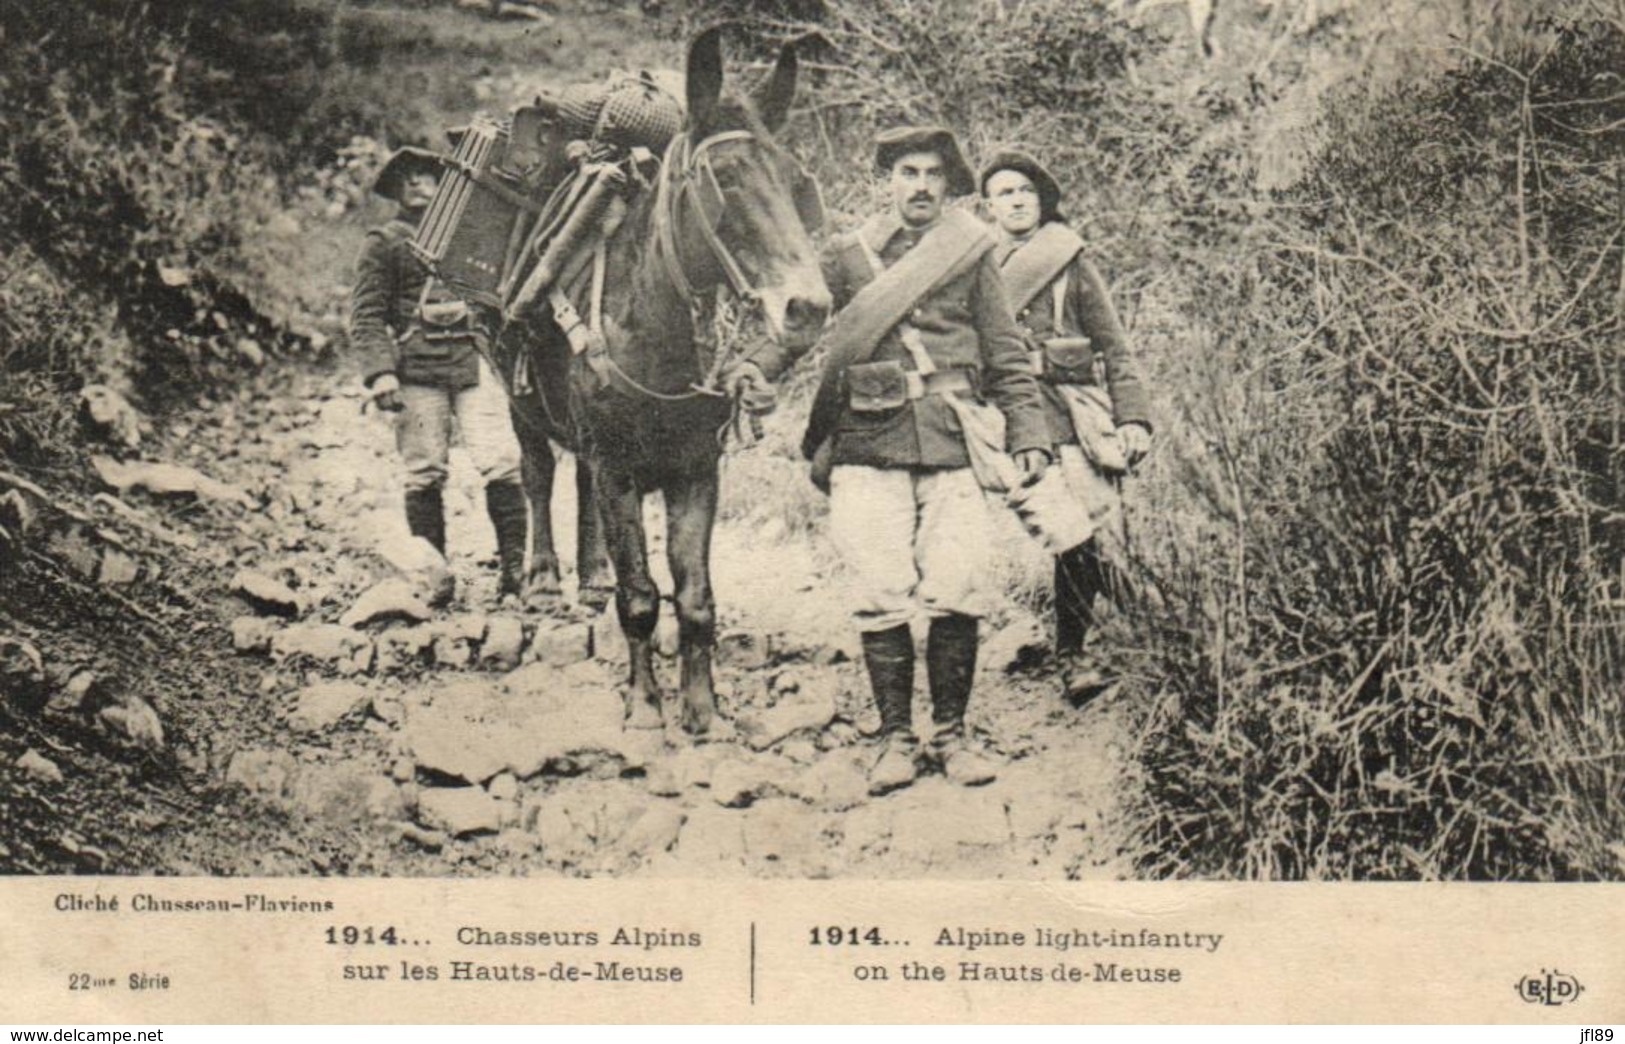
x,y
1013,157
900,141
402,165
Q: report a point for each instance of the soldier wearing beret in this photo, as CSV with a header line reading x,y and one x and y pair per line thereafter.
x,y
421,360
1095,401
922,318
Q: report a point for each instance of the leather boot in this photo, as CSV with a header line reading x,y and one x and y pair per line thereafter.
x,y
426,516
1077,582
889,655
510,517
950,662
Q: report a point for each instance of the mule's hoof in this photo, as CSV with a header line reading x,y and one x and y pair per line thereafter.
x,y
595,598
641,714
699,718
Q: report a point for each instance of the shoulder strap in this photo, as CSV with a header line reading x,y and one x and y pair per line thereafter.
x,y
950,249
1031,268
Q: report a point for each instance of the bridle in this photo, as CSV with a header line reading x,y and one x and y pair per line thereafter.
x,y
687,176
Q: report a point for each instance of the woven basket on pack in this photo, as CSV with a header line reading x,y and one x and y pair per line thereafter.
x,y
637,113
578,107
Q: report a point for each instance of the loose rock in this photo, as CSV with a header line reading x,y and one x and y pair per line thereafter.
x,y
503,787
806,703
402,647
428,840
1018,645
135,720
562,645
166,480
328,645
386,600
737,782
452,652
417,561
504,643
109,414
84,691
265,773
460,810
321,705
22,670
265,594
39,767
252,634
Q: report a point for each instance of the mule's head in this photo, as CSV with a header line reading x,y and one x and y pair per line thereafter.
x,y
753,195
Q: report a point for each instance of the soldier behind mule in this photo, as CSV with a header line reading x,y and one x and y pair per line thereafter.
x,y
1062,304
421,360
923,317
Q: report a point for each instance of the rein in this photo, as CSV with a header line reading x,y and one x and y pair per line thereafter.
x,y
686,174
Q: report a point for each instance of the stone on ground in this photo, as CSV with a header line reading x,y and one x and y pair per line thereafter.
x,y
459,810
253,634
321,705
386,600
133,719
504,643
562,645
1017,645
38,767
266,595
328,645
266,774
806,703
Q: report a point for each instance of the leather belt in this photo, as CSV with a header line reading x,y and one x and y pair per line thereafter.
x,y
942,382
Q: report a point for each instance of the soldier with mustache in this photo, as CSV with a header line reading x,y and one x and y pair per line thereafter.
x,y
923,317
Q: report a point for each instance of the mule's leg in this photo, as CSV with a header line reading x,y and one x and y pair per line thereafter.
x,y
637,602
542,578
691,511
592,556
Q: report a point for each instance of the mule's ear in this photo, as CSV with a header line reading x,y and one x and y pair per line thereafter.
x,y
774,96
704,77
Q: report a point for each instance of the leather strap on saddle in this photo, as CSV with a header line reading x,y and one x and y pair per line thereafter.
x,y
586,336
951,248
1035,264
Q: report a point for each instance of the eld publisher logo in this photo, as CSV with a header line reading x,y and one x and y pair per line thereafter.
x,y
1550,988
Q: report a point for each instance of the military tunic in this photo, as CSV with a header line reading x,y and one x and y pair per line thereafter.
x,y
964,324
446,384
384,306
1086,312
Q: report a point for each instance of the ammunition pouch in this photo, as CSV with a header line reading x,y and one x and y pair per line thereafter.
x,y
1065,360
878,387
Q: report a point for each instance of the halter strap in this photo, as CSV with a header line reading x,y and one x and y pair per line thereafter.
x,y
684,171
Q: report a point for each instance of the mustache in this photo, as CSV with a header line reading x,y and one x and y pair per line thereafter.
x,y
923,196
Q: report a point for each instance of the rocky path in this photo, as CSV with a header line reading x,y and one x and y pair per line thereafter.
x,y
462,739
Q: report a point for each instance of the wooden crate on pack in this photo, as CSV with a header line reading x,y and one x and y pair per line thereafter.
x,y
477,217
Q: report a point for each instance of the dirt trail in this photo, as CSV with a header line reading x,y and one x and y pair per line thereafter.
x,y
433,750
480,742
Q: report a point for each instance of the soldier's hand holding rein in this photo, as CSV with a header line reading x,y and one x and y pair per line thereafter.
x,y
386,393
746,382
1136,441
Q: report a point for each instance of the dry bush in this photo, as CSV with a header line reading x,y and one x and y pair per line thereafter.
x,y
1403,654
